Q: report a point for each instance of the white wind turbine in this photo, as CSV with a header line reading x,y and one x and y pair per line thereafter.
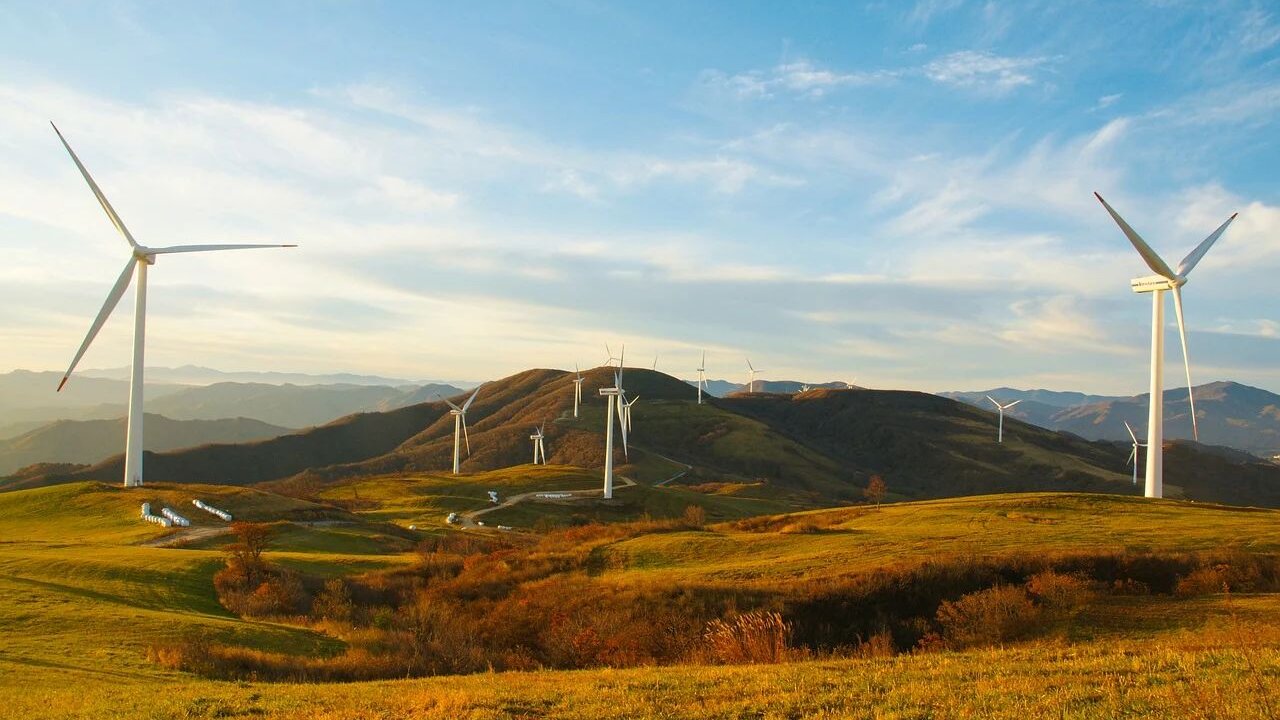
x,y
702,376
140,258
610,358
460,428
804,388
626,410
615,398
1001,408
655,362
1164,280
751,374
577,389
1133,456
539,450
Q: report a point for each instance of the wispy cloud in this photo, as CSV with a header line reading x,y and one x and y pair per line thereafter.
x,y
798,77
984,71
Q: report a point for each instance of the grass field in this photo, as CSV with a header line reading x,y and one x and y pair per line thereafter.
x,y
81,600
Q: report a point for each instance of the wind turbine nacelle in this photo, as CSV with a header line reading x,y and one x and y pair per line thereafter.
x,y
1150,283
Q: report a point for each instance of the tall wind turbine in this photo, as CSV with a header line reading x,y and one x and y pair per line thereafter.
x,y
702,376
1001,408
626,409
1133,456
610,357
577,389
613,393
539,450
140,257
460,428
1164,280
751,370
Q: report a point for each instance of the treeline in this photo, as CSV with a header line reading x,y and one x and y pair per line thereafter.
x,y
475,603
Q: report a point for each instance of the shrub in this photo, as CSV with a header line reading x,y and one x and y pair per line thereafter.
x,y
1207,580
1058,592
334,602
754,637
994,615
694,516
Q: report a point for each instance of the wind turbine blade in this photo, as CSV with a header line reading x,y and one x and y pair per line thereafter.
x,y
450,404
1130,429
1015,402
749,366
993,401
1133,456
102,199
1186,359
207,248
1153,260
1194,256
113,298
472,399
465,435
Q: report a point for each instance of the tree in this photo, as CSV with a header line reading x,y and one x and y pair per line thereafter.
x,y
251,540
875,490
695,516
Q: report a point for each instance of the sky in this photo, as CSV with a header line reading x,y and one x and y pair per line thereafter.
x,y
898,193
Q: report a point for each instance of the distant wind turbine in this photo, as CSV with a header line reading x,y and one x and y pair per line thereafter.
x,y
460,428
751,371
1164,280
610,358
1001,408
577,389
626,409
655,362
702,376
539,450
804,388
140,258
1133,456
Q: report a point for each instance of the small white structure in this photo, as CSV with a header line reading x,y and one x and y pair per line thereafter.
x,y
222,514
451,518
493,496
554,496
156,519
174,517
504,527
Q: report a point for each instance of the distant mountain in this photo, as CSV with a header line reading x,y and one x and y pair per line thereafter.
x,y
197,375
1228,413
88,441
808,449
28,399
1006,395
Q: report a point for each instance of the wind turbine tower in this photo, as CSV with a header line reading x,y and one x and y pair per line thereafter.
x,y
751,375
613,393
1133,456
460,428
702,376
140,258
577,390
539,450
1164,280
1001,409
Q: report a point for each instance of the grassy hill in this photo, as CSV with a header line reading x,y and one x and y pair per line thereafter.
x,y
78,612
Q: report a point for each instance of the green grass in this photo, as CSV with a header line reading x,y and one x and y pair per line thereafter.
x,y
80,602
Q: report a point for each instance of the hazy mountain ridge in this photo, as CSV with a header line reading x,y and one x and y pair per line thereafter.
x,y
816,448
89,441
1228,413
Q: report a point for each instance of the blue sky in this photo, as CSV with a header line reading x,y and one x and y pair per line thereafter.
x,y
889,191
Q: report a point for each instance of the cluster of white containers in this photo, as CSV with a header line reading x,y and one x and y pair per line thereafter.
x,y
174,517
223,514
157,519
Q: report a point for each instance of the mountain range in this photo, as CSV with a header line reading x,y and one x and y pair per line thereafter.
x,y
1228,413
814,448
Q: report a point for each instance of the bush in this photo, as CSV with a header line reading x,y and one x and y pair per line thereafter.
x,y
334,602
1058,592
1208,580
755,637
695,516
990,616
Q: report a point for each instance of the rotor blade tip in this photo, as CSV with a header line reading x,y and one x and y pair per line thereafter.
x,y
64,382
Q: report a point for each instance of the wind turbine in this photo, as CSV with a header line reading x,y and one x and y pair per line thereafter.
x,y
850,385
610,358
1002,408
140,257
539,450
751,383
702,376
1164,280
460,428
1133,456
626,409
655,362
613,393
804,388
577,389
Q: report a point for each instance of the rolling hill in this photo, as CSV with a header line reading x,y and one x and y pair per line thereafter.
x,y
1228,413
87,441
813,449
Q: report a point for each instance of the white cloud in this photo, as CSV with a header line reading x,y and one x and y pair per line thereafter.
x,y
984,71
797,77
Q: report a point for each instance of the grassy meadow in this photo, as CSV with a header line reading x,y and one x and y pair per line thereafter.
x,y
82,600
